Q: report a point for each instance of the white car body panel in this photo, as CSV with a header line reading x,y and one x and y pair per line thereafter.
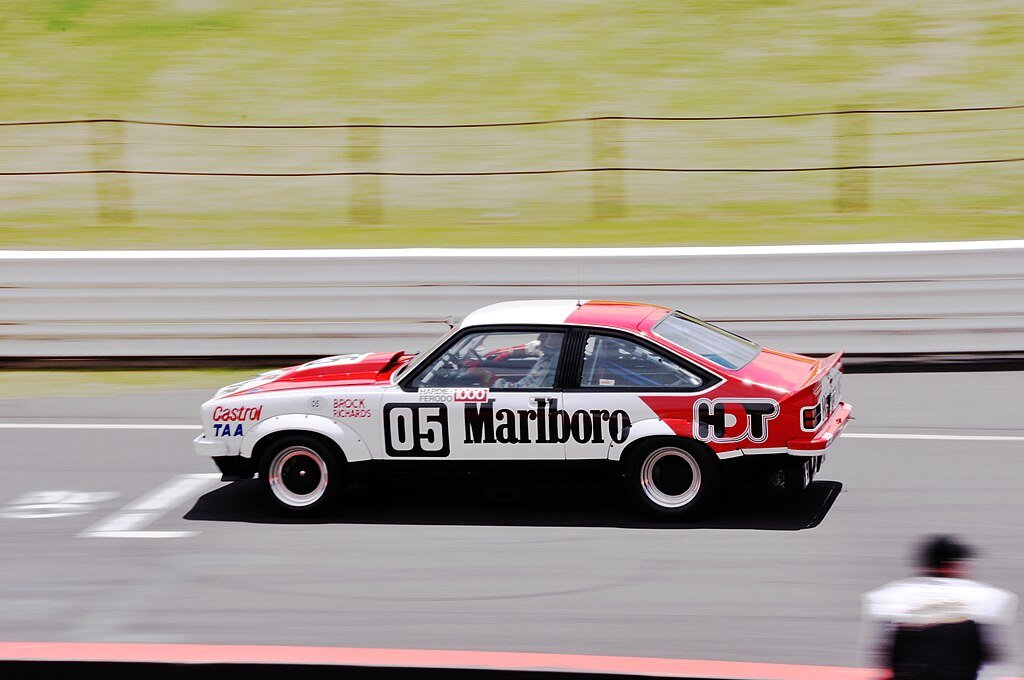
x,y
528,312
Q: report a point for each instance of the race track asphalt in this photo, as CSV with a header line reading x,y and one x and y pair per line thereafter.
x,y
558,570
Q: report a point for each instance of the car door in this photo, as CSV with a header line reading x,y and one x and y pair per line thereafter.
x,y
487,394
616,379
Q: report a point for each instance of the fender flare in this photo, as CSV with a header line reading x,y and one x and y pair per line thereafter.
x,y
668,427
348,441
651,427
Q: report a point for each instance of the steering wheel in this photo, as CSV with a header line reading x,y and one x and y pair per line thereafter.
x,y
453,366
447,365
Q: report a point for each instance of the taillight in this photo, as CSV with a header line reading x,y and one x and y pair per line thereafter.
x,y
810,417
828,399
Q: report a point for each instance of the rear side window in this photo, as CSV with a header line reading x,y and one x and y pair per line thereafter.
x,y
718,346
611,362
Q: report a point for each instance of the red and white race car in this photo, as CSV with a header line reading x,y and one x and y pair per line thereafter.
x,y
666,401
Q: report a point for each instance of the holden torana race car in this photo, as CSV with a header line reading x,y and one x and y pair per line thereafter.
x,y
669,403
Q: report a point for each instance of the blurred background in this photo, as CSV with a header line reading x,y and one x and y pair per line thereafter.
x,y
280,67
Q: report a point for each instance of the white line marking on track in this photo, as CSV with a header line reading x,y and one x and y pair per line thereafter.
x,y
95,426
142,534
126,522
475,253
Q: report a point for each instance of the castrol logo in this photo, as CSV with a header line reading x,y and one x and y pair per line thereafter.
x,y
240,413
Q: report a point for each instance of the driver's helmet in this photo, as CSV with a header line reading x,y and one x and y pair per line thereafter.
x,y
550,342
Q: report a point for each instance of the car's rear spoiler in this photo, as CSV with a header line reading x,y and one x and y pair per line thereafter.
x,y
823,367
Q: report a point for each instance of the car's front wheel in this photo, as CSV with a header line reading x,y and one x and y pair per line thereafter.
x,y
301,474
672,480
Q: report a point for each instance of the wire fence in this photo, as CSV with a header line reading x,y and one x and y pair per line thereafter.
x,y
607,152
496,173
522,123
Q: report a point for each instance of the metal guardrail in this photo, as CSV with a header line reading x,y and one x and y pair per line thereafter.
x,y
862,298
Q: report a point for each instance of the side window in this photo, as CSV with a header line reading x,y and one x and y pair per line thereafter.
x,y
498,360
614,362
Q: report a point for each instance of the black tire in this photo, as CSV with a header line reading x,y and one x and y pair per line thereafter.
x,y
301,474
673,479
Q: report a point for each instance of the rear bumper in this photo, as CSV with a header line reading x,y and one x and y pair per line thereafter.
x,y
824,437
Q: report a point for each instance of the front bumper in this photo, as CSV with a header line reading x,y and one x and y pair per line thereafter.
x,y
824,437
232,466
207,447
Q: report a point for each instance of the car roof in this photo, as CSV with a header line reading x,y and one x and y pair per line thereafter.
x,y
604,313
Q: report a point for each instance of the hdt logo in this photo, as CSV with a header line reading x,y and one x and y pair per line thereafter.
x,y
725,421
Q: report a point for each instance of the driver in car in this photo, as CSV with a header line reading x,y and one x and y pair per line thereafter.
x,y
542,373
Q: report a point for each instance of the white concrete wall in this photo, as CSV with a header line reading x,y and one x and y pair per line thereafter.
x,y
868,298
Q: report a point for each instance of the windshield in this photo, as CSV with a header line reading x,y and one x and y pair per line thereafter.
x,y
714,344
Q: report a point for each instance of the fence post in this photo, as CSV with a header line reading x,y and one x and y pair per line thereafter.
x,y
113,192
853,187
608,191
364,155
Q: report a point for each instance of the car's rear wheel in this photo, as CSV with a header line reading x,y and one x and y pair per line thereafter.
x,y
672,480
301,474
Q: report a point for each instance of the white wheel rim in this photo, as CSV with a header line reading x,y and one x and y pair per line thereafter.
x,y
288,472
668,495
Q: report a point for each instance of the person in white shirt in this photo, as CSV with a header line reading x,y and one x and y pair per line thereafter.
x,y
940,625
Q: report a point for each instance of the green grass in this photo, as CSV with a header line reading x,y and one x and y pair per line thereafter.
x,y
429,61
88,383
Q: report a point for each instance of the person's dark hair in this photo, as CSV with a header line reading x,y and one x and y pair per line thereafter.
x,y
939,551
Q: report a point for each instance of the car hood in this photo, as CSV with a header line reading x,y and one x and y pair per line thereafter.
x,y
334,371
